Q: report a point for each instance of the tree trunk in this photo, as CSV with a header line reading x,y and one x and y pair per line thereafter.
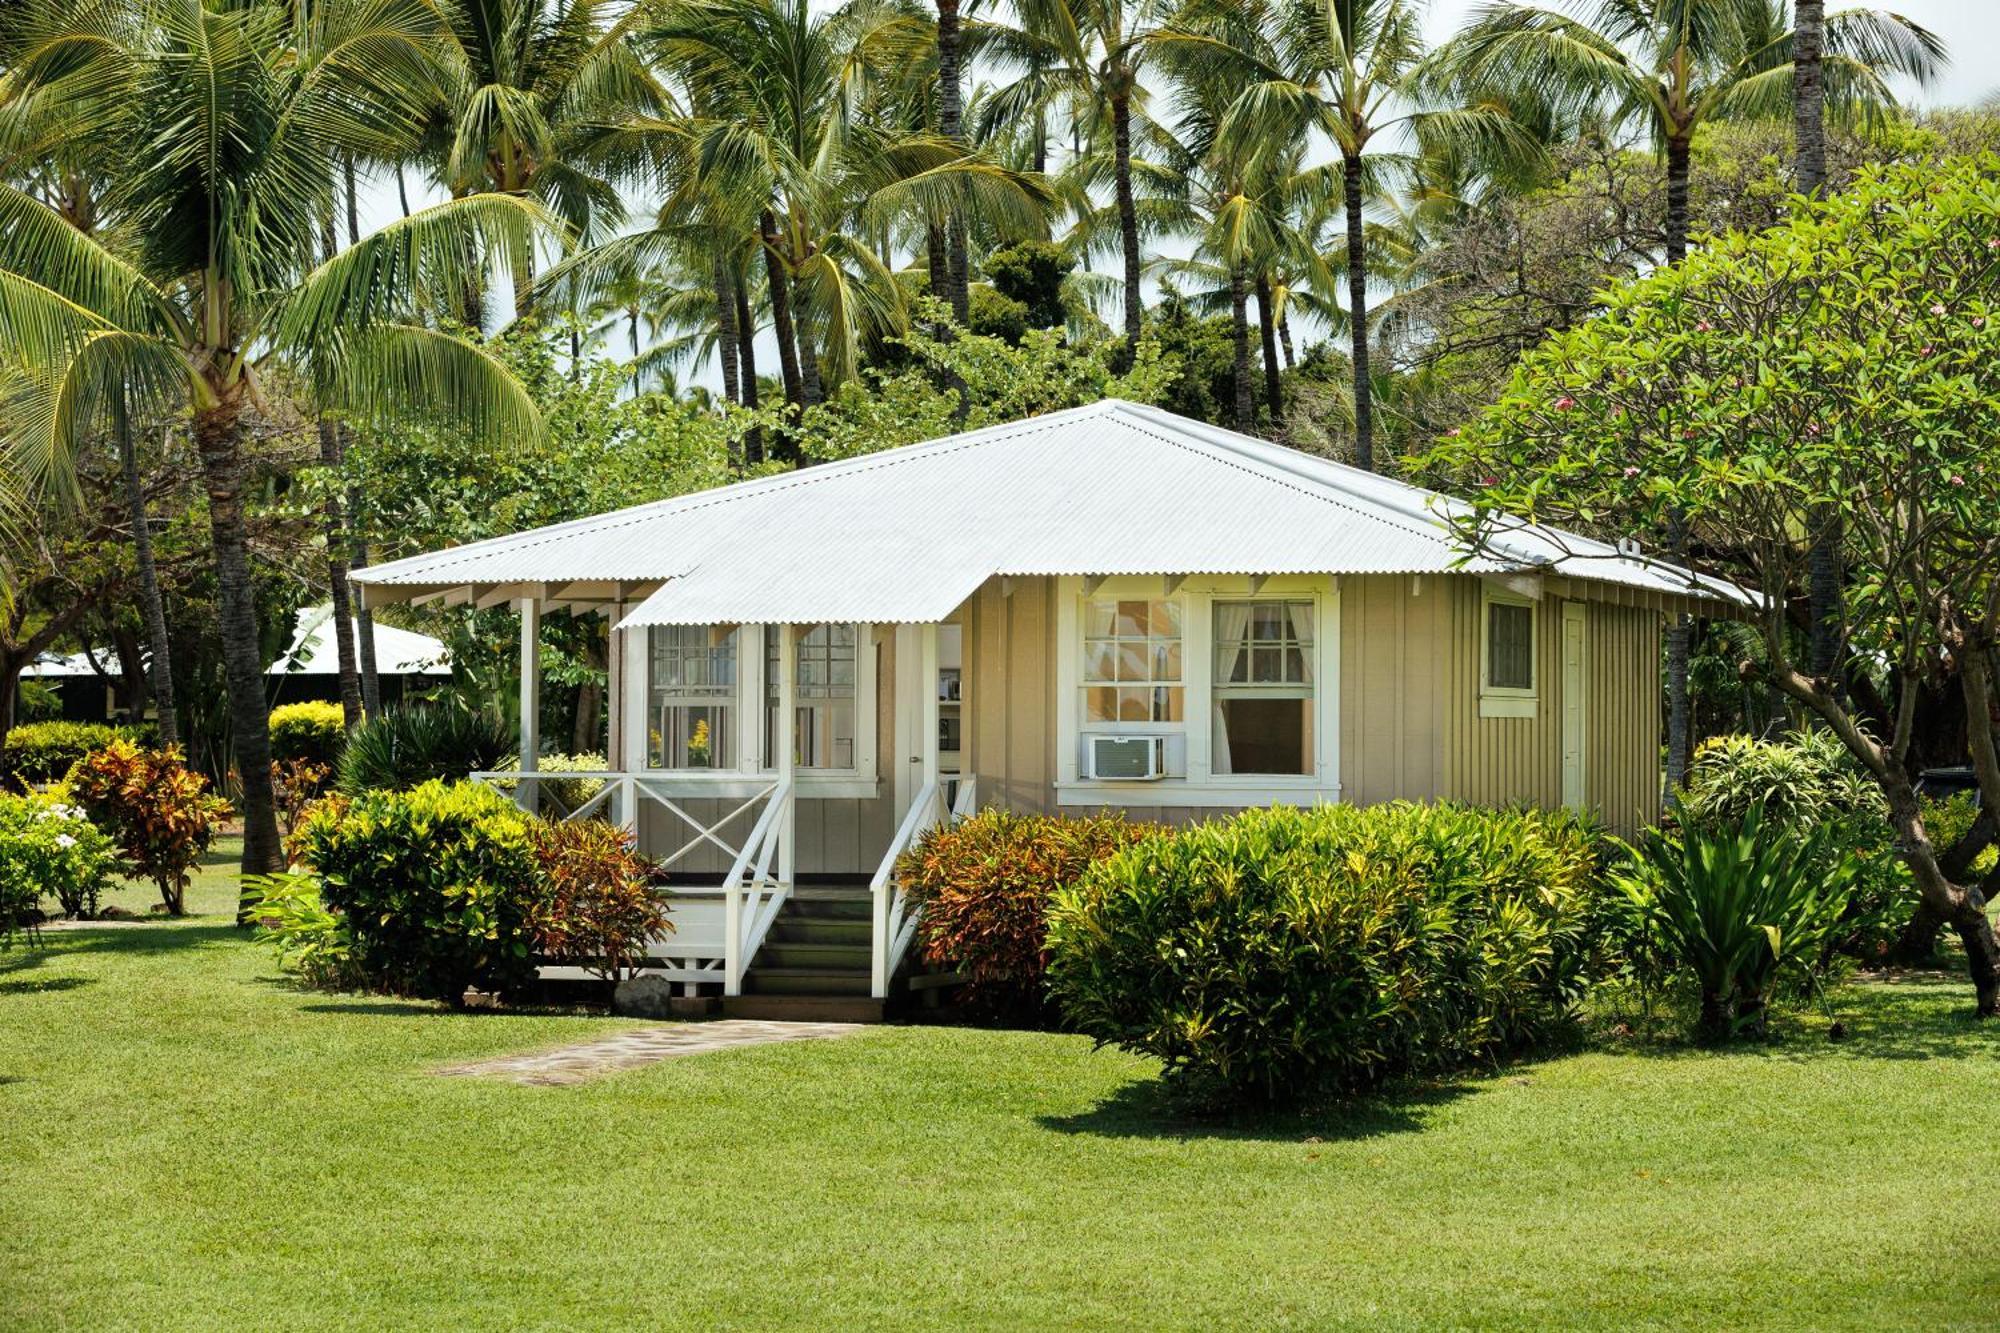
x,y
1677,198
1680,641
1273,391
809,381
402,191
1809,94
1239,323
337,555
353,200
725,330
781,311
364,626
1128,213
1357,313
746,336
1285,339
218,436
151,606
958,290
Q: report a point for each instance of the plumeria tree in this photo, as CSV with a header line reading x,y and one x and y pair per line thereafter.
x,y
1838,378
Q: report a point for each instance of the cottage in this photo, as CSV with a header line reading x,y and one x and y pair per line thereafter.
x,y
1109,607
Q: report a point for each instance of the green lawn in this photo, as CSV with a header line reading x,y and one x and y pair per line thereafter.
x,y
186,1141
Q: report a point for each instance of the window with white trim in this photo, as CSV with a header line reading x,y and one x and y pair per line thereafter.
x,y
1262,689
1507,684
826,679
1132,669
691,696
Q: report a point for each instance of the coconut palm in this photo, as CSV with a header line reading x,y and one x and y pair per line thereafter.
x,y
1671,66
219,132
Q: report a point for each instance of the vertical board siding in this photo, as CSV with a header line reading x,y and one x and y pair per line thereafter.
x,y
1010,648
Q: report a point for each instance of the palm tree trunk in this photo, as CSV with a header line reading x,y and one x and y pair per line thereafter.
x,y
1809,93
781,311
725,329
337,554
218,437
1273,392
746,337
150,603
809,379
402,191
1239,317
1128,214
364,626
1285,339
1357,311
1678,157
951,114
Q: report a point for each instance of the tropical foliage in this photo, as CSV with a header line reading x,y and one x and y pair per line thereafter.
x,y
48,846
159,811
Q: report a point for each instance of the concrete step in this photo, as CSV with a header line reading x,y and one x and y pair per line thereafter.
x,y
826,981
805,1008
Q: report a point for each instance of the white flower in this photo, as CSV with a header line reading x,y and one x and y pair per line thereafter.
x,y
65,841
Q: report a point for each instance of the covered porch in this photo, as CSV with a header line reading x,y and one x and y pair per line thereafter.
x,y
775,770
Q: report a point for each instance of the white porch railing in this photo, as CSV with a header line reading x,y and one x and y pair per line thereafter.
x,y
940,801
717,929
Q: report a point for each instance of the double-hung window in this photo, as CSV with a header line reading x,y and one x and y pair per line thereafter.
x,y
823,697
691,696
1507,685
1262,689
1132,662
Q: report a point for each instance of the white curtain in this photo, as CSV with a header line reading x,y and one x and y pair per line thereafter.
x,y
1232,653
1302,626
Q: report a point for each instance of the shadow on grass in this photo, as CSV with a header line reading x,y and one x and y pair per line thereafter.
x,y
38,986
1907,1015
164,936
1150,1109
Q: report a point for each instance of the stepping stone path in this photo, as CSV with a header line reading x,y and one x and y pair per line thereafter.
x,y
643,1046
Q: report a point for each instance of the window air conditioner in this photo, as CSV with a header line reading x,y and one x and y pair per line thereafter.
x,y
1133,758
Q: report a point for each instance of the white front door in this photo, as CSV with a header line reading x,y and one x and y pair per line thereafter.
x,y
1574,726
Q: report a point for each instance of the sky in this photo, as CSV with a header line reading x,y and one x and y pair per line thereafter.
x,y
1970,29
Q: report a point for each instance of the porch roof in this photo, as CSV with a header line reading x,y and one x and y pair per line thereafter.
x,y
906,535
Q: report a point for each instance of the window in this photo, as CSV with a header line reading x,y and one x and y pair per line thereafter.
x,y
1262,689
691,697
1507,657
1132,662
823,697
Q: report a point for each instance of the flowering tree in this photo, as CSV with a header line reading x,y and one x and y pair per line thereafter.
x,y
1836,378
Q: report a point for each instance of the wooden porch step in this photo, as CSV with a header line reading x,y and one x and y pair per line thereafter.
x,y
805,1008
817,980
839,956
856,931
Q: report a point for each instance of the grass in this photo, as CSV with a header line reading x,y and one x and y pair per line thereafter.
x,y
185,1140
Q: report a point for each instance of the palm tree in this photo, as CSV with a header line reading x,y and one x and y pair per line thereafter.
x,y
219,133
1671,66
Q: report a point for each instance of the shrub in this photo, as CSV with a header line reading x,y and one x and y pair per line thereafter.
x,y
48,846
1733,907
411,745
1800,785
436,884
314,730
160,812
310,939
984,885
595,905
297,783
43,752
564,794
1286,952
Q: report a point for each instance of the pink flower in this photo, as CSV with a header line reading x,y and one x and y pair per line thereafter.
x,y
1631,472
1937,310
1957,479
1926,350
1565,403
1979,321
1812,428
1704,326
1489,481
1993,242
1453,433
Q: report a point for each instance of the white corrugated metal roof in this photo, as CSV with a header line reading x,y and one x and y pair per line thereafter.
x,y
398,652
906,535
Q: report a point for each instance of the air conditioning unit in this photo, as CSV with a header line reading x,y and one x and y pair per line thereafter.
x,y
1130,758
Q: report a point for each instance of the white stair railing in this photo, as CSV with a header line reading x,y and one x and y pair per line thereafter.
x,y
894,915
751,895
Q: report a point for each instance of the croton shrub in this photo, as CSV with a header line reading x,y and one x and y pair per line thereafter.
x,y
595,905
160,812
984,885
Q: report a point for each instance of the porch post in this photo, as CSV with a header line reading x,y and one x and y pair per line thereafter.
x,y
927,696
527,793
787,741
614,688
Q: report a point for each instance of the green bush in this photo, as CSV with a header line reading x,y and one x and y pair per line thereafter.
x,y
1800,785
49,846
984,886
1286,952
311,940
414,744
436,885
43,752
1735,907
314,731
